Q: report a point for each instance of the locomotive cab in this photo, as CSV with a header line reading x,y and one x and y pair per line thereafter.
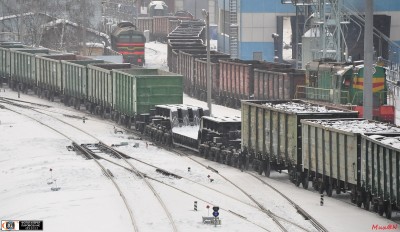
x,y
129,42
158,8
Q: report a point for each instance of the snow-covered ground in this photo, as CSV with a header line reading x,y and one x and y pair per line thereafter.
x,y
87,200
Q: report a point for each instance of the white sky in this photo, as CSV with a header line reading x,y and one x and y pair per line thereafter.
x,y
88,201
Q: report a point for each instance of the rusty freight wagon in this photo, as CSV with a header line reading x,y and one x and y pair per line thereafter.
x,y
200,80
277,84
272,135
186,66
181,44
237,79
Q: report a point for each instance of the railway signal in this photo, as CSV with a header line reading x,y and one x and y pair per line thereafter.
x,y
215,214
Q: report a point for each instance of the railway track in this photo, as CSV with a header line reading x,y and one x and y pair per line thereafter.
x,y
91,155
317,225
301,211
277,219
121,156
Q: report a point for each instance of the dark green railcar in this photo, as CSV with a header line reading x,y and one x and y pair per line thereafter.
x,y
139,90
74,80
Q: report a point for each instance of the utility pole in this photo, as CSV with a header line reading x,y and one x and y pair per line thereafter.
x,y
368,60
206,14
84,26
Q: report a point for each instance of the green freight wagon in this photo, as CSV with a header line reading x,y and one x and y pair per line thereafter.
x,y
272,136
136,91
49,73
100,86
5,60
23,70
74,80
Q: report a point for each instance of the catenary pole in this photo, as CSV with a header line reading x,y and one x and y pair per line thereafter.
x,y
368,60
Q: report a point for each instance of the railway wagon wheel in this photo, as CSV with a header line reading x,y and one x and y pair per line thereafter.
x,y
305,180
315,184
359,198
227,102
267,168
321,186
338,187
329,188
206,153
381,208
367,202
218,156
247,163
375,206
388,210
258,167
298,179
223,158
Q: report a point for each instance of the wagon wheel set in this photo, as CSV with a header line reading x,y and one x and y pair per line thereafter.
x,y
229,156
366,200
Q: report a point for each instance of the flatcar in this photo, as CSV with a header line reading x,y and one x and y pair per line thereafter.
x,y
129,42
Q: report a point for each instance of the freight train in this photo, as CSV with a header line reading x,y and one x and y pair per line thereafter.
x,y
129,42
329,146
313,142
117,90
233,79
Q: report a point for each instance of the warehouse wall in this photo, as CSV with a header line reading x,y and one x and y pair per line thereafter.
x,y
257,22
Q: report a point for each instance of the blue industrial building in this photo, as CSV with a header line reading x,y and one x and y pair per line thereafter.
x,y
249,25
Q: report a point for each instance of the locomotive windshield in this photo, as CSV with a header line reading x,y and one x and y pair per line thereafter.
x,y
131,39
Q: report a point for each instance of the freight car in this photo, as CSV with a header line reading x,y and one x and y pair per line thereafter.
x,y
233,79
215,138
342,83
176,124
349,154
380,160
128,41
271,133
